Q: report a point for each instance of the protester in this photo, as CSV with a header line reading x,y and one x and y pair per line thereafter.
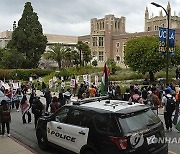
x,y
136,98
154,100
24,105
169,106
92,91
6,119
126,95
32,97
54,106
67,96
43,87
63,85
16,98
37,109
48,97
118,94
61,99
81,91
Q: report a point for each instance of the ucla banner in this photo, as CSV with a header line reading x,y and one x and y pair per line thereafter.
x,y
162,39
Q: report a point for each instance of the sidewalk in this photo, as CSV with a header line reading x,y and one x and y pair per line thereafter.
x,y
9,145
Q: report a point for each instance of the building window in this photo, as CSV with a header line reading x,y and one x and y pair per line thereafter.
x,y
117,45
103,25
94,41
101,56
94,54
148,29
118,59
101,41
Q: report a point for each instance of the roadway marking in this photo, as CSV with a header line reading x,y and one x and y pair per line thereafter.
x,y
171,152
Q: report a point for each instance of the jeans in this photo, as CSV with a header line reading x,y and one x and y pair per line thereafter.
x,y
168,119
29,117
7,127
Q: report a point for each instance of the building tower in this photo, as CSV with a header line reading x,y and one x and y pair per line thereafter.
x,y
101,37
146,18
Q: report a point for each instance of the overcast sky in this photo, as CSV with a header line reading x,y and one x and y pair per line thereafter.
x,y
72,17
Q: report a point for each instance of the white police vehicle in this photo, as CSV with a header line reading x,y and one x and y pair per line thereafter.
x,y
102,126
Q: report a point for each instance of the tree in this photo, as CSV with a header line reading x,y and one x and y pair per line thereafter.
x,y
28,38
56,53
94,62
141,54
112,66
8,60
84,52
175,59
75,57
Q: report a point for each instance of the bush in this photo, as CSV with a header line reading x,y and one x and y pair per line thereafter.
x,y
22,74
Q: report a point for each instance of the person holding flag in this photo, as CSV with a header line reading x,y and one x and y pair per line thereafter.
x,y
104,82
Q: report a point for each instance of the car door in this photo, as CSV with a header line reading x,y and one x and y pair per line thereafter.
x,y
55,128
77,133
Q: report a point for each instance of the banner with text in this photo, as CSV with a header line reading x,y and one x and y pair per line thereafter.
x,y
162,39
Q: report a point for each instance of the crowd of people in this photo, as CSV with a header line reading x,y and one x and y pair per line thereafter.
x,y
157,95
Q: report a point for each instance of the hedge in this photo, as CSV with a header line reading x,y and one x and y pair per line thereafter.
x,y
22,74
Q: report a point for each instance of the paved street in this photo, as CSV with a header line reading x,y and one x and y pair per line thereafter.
x,y
26,133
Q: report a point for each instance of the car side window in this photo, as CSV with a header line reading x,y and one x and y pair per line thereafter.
x,y
106,123
76,117
62,115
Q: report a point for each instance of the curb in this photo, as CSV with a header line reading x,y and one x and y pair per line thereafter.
x,y
24,145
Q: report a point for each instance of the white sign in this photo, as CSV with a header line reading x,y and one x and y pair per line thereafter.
x,y
89,80
15,85
30,79
40,79
50,83
54,79
6,86
72,83
96,80
85,78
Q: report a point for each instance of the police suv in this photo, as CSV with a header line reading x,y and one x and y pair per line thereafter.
x,y
103,126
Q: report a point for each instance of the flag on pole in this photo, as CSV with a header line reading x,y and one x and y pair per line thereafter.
x,y
104,81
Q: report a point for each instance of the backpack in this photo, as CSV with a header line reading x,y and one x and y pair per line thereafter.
x,y
135,100
6,116
170,105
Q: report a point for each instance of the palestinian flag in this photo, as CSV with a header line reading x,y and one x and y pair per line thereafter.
x,y
104,82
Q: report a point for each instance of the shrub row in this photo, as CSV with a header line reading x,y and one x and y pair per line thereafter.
x,y
22,74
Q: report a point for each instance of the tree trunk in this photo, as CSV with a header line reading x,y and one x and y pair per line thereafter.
x,y
151,75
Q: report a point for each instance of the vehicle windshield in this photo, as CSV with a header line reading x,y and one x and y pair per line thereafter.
x,y
138,121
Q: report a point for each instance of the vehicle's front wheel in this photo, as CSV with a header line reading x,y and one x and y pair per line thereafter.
x,y
42,140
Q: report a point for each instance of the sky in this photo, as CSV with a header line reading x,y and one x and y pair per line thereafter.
x,y
72,17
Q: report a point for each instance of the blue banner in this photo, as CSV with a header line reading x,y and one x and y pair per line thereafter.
x,y
162,39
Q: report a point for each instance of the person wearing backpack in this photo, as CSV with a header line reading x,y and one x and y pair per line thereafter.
x,y
37,109
6,119
169,103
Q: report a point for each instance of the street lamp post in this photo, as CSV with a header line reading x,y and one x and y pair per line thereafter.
x,y
167,38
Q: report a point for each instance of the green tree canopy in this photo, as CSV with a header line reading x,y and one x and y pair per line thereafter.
x,y
56,53
84,52
112,66
141,54
28,38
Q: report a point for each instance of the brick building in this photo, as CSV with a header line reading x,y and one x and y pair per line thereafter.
x,y
108,35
